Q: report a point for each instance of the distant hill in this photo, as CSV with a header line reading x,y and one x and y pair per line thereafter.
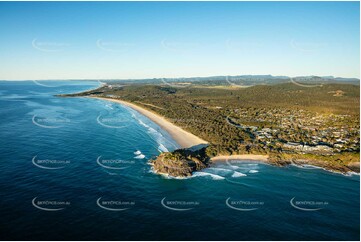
x,y
242,80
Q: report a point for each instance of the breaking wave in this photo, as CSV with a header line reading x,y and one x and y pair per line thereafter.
x,y
238,174
214,176
163,143
138,152
162,148
141,156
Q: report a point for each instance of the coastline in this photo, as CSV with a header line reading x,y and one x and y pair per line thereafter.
x,y
188,140
183,138
264,159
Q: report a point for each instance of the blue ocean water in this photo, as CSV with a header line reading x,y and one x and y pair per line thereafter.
x,y
77,168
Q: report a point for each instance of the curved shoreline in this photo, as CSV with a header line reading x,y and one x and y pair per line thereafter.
x,y
188,140
183,138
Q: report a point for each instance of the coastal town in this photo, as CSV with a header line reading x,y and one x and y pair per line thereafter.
x,y
299,130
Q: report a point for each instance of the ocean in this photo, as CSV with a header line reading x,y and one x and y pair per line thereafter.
x,y
78,169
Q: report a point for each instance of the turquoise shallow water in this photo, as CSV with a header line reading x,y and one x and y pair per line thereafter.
x,y
76,168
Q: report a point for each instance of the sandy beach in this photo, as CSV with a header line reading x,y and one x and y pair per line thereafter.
x,y
223,158
182,137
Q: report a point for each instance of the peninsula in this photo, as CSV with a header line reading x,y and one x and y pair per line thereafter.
x,y
280,124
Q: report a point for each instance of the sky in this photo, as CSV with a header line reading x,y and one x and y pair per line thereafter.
x,y
133,40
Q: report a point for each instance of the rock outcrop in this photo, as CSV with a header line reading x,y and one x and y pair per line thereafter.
x,y
180,163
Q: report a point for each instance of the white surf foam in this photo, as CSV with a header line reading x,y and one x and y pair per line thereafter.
x,y
151,130
141,156
138,152
234,167
253,171
109,106
162,148
156,135
173,177
141,122
238,174
218,170
214,176
352,173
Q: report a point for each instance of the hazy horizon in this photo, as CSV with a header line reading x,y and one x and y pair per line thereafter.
x,y
183,77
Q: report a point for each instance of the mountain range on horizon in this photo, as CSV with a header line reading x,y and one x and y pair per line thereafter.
x,y
245,79
254,79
